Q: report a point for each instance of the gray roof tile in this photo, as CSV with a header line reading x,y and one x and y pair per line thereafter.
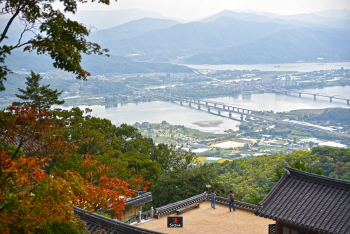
x,y
311,201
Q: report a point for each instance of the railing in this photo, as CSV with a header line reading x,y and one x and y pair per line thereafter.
x,y
146,214
201,197
95,222
238,204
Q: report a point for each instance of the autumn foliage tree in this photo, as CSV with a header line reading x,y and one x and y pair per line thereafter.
x,y
34,200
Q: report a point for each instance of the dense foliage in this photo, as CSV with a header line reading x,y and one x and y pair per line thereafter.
x,y
333,115
33,198
53,161
252,179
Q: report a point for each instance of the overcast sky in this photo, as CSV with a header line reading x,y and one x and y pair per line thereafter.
x,y
194,9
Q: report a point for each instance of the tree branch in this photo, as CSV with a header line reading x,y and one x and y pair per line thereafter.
x,y
18,148
18,10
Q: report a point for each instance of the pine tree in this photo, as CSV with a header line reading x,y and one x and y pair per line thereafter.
x,y
42,97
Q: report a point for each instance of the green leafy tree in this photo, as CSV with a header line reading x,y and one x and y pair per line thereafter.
x,y
277,174
54,34
300,165
181,183
41,97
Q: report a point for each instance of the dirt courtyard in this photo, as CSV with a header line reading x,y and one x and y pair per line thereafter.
x,y
207,220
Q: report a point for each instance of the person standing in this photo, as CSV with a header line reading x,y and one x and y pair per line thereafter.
x,y
212,196
232,201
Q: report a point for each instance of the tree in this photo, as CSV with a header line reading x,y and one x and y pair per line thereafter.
x,y
181,184
53,34
34,200
300,165
41,97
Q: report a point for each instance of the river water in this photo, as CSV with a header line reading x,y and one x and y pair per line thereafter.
x,y
158,111
298,67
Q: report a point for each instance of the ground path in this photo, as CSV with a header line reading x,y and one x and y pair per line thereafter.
x,y
207,220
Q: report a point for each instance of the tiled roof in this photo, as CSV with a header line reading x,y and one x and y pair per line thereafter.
x,y
28,145
95,222
180,204
140,200
309,201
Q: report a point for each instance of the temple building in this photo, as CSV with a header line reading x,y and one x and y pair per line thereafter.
x,y
305,203
300,203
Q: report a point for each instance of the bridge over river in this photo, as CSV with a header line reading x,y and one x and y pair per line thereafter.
x,y
218,108
305,92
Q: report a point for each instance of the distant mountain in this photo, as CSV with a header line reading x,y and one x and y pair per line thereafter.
x,y
301,20
188,39
312,18
94,64
316,20
247,16
102,20
108,19
130,29
117,64
340,14
285,46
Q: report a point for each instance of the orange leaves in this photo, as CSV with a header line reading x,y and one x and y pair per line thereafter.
x,y
22,171
89,162
30,198
36,132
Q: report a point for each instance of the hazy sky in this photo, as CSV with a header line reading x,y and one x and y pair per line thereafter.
x,y
193,9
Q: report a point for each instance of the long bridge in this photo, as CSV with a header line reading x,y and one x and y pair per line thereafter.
x,y
219,107
305,92
211,106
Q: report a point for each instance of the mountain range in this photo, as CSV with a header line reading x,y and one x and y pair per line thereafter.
x,y
183,40
285,46
226,37
94,64
130,29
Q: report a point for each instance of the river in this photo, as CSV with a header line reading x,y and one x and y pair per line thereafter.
x,y
282,102
298,67
158,111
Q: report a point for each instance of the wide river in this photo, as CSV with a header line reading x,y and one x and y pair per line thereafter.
x,y
298,67
156,112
